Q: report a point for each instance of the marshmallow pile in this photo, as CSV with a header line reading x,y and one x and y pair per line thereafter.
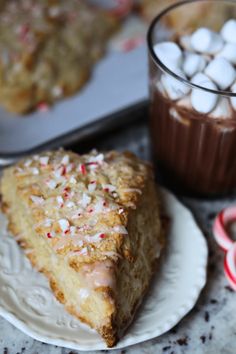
x,y
207,59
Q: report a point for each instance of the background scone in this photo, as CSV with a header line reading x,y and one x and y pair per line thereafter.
x,y
91,223
151,8
47,49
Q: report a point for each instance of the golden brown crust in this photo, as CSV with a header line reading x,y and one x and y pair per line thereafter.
x,y
114,273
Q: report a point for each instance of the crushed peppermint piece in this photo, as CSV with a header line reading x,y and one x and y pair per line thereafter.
x,y
70,167
103,236
72,230
108,188
37,200
28,163
60,200
120,211
57,91
96,159
43,107
65,160
82,169
72,180
98,207
92,186
83,251
51,184
51,234
59,172
44,160
64,224
86,199
47,222
70,204
94,238
34,170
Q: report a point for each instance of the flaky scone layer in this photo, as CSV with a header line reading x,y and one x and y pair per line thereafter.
x,y
91,223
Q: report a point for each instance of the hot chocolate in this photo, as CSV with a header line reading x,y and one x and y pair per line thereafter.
x,y
193,110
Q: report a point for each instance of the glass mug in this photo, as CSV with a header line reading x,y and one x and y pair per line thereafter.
x,y
195,153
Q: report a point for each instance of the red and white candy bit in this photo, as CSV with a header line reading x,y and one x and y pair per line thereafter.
x,y
43,107
219,228
230,266
117,8
222,237
129,44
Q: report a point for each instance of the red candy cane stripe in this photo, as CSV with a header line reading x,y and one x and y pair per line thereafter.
x,y
219,227
230,262
226,243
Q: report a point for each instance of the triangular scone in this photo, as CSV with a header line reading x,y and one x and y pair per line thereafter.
x,y
91,223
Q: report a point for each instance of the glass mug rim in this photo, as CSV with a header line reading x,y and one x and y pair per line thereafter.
x,y
160,64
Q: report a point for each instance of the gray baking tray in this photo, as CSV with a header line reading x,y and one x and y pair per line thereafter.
x,y
117,89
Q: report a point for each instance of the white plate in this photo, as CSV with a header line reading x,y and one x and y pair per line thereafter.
x,y
28,303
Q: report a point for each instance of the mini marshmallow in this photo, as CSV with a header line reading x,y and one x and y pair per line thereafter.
x,y
228,52
202,101
185,42
221,72
173,87
228,31
223,109
193,63
205,41
169,54
233,99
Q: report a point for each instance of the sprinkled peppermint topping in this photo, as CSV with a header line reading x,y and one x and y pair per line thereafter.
x,y
28,163
97,159
44,160
47,222
57,91
82,169
73,230
95,238
34,170
64,224
70,204
92,186
72,180
65,160
86,199
108,188
43,107
80,199
37,200
50,234
51,184
61,171
60,201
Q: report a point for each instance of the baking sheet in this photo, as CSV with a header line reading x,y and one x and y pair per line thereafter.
x,y
118,81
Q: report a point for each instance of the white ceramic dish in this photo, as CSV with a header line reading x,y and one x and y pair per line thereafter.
x,y
28,303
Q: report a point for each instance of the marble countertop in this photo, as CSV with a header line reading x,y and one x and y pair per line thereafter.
x,y
209,328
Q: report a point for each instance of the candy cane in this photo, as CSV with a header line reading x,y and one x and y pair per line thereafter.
x,y
226,243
